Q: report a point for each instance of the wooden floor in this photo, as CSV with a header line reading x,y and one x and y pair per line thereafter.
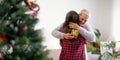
x,y
54,53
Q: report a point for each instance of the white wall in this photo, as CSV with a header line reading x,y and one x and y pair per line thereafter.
x,y
104,18
116,20
53,13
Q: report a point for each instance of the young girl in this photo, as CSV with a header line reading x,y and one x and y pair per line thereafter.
x,y
72,48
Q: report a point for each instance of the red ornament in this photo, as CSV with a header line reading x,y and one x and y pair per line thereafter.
x,y
23,27
35,11
31,5
3,37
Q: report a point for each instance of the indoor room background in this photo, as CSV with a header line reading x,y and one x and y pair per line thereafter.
x,y
104,16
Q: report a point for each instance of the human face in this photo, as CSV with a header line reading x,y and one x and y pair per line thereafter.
x,y
83,18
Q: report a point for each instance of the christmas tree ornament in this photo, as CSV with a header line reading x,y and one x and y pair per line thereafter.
x,y
3,38
31,4
6,49
35,12
75,33
24,27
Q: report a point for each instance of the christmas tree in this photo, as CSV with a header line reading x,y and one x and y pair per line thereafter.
x,y
18,38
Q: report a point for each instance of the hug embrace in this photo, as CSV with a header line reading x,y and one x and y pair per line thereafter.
x,y
73,34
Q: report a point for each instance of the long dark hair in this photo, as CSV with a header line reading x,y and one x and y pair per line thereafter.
x,y
71,16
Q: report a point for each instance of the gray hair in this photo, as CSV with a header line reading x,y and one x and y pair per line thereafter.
x,y
84,11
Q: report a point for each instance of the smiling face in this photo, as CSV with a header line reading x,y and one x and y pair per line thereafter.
x,y
83,16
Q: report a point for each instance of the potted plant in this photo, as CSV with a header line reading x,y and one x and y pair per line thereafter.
x,y
109,55
94,47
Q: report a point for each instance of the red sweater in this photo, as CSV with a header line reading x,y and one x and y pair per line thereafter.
x,y
75,51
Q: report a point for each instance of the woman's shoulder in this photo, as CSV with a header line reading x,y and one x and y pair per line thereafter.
x,y
86,24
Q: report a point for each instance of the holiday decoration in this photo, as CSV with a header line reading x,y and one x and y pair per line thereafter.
x,y
3,38
75,33
24,27
6,49
35,11
31,4
19,40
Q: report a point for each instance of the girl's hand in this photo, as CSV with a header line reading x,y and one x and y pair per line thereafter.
x,y
68,36
73,25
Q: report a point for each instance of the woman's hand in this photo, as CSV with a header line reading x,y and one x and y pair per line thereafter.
x,y
74,25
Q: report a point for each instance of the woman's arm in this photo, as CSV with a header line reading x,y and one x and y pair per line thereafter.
x,y
56,32
60,35
87,32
